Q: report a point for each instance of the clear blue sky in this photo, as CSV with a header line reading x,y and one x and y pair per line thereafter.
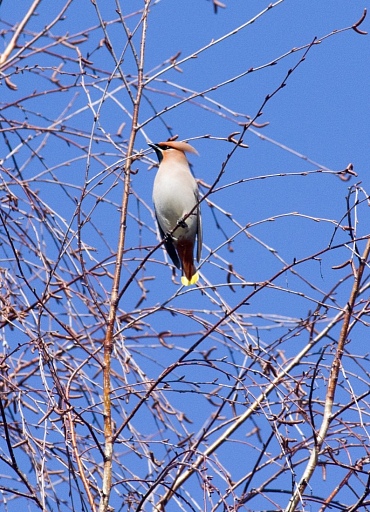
x,y
320,119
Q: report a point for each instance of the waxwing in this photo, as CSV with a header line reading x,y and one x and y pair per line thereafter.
x,y
175,194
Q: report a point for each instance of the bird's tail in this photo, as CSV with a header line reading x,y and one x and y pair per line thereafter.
x,y
190,274
194,279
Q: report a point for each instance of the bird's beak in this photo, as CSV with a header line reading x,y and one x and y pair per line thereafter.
x,y
157,150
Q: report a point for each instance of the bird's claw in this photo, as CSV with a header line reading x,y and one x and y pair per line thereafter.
x,y
182,224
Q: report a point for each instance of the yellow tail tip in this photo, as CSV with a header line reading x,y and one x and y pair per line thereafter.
x,y
185,281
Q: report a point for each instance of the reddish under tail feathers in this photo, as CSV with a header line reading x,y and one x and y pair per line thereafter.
x,y
190,275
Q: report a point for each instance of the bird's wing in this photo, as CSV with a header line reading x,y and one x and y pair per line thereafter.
x,y
199,231
170,248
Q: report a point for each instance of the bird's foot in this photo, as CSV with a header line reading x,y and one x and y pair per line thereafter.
x,y
182,224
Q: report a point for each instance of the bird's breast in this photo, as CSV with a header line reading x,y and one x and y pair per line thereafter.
x,y
174,196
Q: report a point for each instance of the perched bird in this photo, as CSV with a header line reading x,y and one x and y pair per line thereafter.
x,y
175,194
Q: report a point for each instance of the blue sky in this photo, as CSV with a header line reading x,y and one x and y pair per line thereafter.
x,y
271,204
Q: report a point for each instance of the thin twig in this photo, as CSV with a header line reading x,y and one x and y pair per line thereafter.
x,y
332,385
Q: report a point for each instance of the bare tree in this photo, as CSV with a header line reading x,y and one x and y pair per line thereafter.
x,y
122,390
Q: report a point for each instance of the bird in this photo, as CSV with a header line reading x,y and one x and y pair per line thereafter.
x,y
176,195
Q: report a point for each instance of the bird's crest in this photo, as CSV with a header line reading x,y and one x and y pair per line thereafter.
x,y
181,146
